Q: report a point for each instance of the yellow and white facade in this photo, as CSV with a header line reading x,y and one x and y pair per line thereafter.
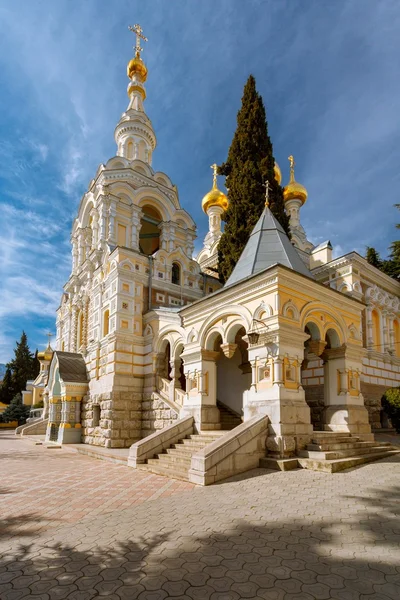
x,y
312,348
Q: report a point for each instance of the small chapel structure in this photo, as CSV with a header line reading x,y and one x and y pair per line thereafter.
x,y
152,353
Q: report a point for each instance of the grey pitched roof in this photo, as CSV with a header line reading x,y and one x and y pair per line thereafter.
x,y
72,366
268,245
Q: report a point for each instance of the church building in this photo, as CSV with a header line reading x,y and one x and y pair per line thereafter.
x,y
286,363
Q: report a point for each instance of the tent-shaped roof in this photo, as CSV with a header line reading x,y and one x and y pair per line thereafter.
x,y
268,245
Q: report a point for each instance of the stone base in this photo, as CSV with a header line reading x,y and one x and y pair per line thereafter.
x,y
345,418
206,418
156,414
120,419
372,400
69,435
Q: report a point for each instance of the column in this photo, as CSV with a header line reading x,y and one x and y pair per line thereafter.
x,y
111,223
200,367
344,404
70,426
279,395
370,335
54,419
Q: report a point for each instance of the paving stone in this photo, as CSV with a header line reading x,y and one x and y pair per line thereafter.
x,y
129,592
200,593
319,591
195,579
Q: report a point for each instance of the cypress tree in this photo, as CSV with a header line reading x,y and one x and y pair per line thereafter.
x,y
249,165
373,257
6,388
22,366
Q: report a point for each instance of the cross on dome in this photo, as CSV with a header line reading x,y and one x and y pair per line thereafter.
x,y
138,31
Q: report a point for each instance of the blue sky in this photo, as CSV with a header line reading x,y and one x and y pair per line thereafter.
x,y
328,72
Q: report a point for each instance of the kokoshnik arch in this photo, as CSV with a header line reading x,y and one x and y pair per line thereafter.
x,y
148,338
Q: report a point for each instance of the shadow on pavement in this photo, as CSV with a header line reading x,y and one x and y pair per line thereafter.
x,y
276,560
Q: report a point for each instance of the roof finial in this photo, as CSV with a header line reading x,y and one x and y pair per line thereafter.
x,y
139,35
267,188
49,335
214,167
292,163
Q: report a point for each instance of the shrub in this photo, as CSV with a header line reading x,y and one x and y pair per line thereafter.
x,y
391,403
39,404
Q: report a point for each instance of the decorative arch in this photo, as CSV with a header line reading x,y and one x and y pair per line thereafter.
x,y
148,330
149,196
312,326
212,336
308,314
332,338
263,309
232,330
192,336
291,311
176,274
231,310
168,333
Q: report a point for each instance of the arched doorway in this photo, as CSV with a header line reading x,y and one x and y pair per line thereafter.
x,y
312,374
233,376
149,235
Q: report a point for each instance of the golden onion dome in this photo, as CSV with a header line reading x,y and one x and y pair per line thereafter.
x,y
214,197
137,67
294,190
277,173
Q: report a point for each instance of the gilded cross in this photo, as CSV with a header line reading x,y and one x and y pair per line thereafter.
x,y
138,31
49,335
267,188
292,163
214,167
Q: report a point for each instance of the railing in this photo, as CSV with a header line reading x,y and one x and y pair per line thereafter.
x,y
179,396
166,391
163,387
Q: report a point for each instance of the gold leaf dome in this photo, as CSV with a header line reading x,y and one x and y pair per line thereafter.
x,y
294,190
214,197
277,173
137,67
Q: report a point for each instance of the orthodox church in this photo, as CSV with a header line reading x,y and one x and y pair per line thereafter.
x,y
285,364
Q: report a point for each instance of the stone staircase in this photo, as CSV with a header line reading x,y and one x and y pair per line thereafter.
x,y
229,418
175,461
332,452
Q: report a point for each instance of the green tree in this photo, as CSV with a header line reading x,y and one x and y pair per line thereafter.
x,y
6,387
390,266
391,403
373,257
16,411
19,370
249,165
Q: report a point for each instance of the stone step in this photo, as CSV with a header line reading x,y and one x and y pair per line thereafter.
x,y
195,444
329,434
205,437
346,446
341,440
334,466
180,450
182,475
171,459
343,453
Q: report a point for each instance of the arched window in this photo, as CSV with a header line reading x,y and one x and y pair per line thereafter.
x,y
129,153
149,236
176,273
80,329
396,338
106,322
376,331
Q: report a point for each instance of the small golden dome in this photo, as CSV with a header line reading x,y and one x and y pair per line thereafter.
x,y
214,197
294,190
137,67
277,173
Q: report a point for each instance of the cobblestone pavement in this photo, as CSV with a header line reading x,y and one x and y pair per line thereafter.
x,y
77,528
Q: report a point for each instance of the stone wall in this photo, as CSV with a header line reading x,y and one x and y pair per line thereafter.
x,y
315,400
156,414
120,419
372,399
